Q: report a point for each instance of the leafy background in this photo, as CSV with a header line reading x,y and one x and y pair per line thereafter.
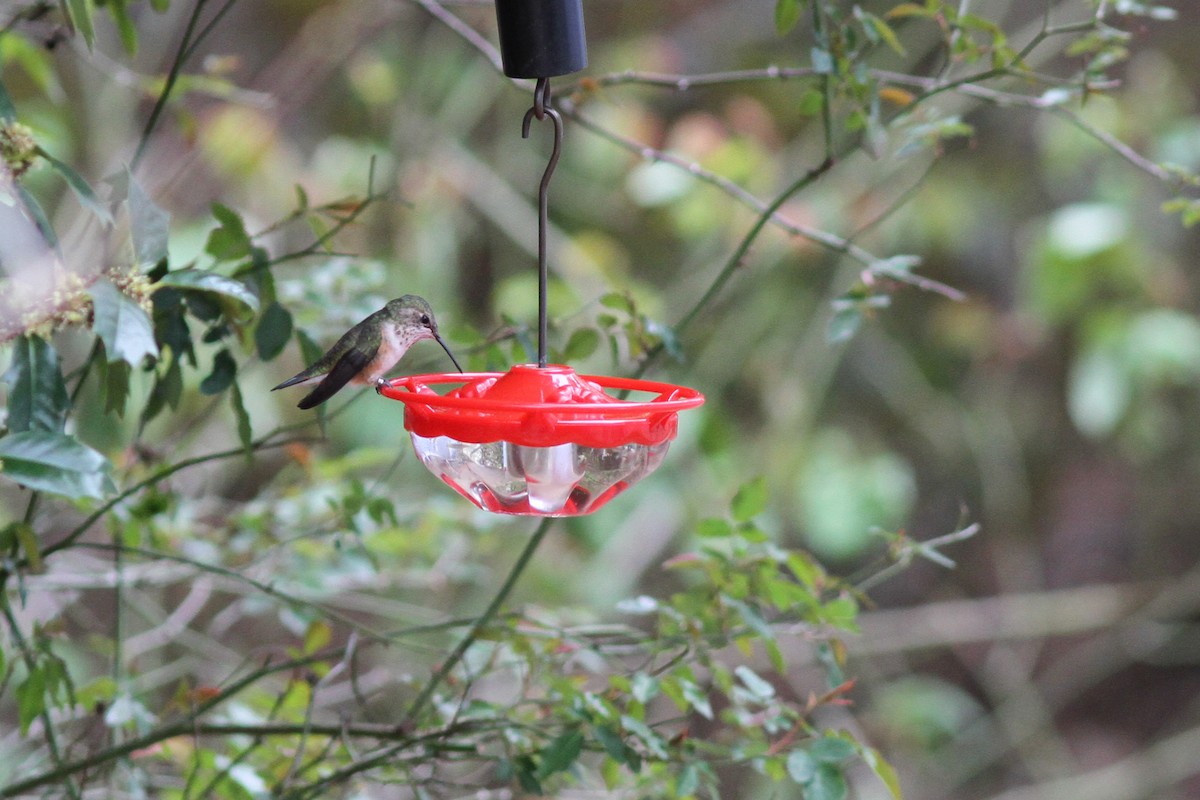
x,y
317,158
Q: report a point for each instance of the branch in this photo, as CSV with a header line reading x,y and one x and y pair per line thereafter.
x,y
31,665
469,34
234,575
341,224
262,443
930,87
483,620
426,695
825,239
1146,773
735,260
172,76
181,727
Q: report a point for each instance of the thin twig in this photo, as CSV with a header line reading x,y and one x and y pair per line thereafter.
x,y
181,727
266,588
739,253
830,241
483,620
207,29
418,705
469,34
262,443
30,660
172,76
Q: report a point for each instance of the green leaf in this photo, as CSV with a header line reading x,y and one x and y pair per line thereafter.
x,y
832,750
811,102
560,754
645,687
831,655
122,324
801,767
688,780
751,616
750,500
822,61
38,214
714,528
775,654
125,26
273,331
910,10
99,690
317,636
170,323
1099,391
211,283
55,463
31,698
82,189
244,431
168,389
827,784
878,30
898,267
229,240
618,301
148,225
37,395
60,689
526,775
787,14
114,377
841,612
844,323
646,735
583,343
224,370
1188,209
26,537
885,771
310,351
696,698
80,12
612,743
761,689
667,337
8,112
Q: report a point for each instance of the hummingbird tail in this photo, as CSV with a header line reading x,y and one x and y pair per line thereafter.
x,y
343,372
292,381
311,400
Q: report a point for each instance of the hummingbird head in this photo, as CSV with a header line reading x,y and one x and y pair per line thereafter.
x,y
414,314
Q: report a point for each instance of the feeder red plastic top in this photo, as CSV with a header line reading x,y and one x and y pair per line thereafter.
x,y
541,407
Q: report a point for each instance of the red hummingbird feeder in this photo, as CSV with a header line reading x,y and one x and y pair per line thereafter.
x,y
540,439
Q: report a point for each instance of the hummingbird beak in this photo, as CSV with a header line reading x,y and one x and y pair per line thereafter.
x,y
447,349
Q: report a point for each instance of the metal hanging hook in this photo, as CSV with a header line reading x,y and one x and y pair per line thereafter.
x,y
542,108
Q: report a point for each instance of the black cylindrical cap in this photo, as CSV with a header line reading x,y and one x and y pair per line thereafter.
x,y
541,38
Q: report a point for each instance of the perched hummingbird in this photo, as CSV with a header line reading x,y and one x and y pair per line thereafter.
x,y
367,351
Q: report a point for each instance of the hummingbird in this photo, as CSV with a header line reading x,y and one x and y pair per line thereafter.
x,y
366,352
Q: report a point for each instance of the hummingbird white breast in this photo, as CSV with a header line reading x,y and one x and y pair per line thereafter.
x,y
394,342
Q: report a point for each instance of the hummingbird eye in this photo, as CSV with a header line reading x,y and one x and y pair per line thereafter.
x,y
424,319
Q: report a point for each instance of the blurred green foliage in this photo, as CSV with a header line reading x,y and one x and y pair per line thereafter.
x,y
915,254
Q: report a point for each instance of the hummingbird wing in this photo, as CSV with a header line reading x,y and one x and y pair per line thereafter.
x,y
352,362
300,377
321,366
348,342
